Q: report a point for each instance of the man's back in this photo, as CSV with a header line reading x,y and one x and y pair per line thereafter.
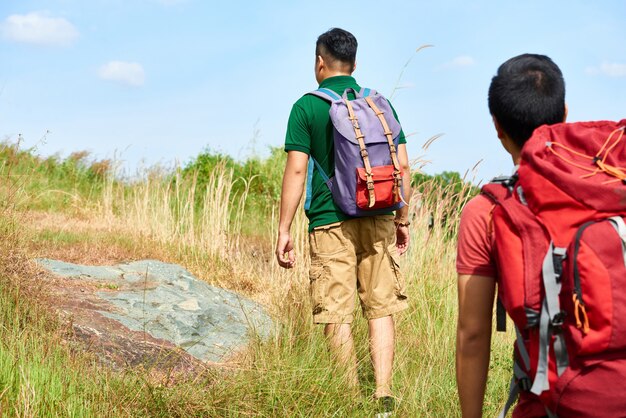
x,y
310,130
349,256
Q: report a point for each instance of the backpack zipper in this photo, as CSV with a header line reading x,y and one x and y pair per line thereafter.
x,y
577,296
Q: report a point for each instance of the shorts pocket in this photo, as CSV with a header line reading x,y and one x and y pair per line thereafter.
x,y
317,288
327,240
400,289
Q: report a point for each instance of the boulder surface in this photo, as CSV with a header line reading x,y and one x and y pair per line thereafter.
x,y
145,311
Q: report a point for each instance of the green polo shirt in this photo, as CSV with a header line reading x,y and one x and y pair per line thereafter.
x,y
310,130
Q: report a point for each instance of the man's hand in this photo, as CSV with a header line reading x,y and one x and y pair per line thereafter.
x,y
402,238
285,254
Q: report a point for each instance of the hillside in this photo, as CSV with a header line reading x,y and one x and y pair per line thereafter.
x,y
216,217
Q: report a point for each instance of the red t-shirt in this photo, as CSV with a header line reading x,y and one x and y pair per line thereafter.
x,y
475,243
475,257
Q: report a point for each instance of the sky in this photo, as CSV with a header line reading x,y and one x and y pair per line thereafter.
x,y
159,81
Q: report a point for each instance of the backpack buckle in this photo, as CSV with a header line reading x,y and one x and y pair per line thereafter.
x,y
558,256
558,320
524,384
506,181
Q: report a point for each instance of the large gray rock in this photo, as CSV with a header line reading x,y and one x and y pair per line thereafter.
x,y
165,302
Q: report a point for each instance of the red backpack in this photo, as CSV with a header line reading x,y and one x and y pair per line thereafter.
x,y
560,249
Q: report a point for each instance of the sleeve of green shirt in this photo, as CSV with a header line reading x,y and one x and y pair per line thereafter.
x,y
298,133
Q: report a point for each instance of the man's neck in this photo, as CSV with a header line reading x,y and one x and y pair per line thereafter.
x,y
335,74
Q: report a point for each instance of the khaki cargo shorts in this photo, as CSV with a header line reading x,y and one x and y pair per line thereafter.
x,y
355,256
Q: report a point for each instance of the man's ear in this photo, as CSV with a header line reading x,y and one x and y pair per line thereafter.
x,y
509,145
320,62
499,130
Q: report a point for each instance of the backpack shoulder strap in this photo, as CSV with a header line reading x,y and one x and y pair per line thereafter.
x,y
309,180
331,96
326,94
499,188
365,92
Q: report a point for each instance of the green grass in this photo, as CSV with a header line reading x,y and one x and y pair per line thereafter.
x,y
39,376
291,374
51,183
261,177
61,237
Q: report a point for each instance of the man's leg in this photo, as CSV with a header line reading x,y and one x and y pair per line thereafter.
x,y
382,346
381,291
342,346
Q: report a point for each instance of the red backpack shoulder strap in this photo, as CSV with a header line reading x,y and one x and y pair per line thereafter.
x,y
499,188
511,210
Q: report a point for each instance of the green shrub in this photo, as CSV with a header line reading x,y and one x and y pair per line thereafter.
x,y
262,177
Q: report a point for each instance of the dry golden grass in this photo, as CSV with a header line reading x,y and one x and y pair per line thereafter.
x,y
290,375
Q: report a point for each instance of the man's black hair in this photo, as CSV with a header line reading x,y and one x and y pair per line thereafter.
x,y
337,44
528,91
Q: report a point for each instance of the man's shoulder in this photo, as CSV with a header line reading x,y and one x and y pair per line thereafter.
x,y
478,205
305,98
476,215
308,104
475,241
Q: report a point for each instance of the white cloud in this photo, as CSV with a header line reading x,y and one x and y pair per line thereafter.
x,y
460,62
463,61
38,28
128,73
611,69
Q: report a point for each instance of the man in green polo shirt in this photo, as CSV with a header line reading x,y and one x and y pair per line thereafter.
x,y
348,255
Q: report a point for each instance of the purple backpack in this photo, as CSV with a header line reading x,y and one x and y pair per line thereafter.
x,y
367,179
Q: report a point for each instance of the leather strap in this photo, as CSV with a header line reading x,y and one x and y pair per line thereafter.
x,y
364,155
397,173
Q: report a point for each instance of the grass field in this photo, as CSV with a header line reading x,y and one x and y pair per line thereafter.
x,y
216,217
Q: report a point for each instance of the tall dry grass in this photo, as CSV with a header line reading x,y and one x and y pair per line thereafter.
x,y
173,211
292,373
39,375
296,358
204,226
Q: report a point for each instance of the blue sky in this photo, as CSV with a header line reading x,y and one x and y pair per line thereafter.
x,y
158,81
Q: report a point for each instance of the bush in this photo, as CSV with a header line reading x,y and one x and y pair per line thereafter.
x,y
262,177
445,194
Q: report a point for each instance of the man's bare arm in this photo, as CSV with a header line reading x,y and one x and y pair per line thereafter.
x,y
473,344
293,186
402,214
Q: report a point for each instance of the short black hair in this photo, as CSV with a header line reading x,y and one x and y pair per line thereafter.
x,y
528,91
337,44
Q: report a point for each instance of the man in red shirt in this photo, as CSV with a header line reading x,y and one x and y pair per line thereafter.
x,y
528,91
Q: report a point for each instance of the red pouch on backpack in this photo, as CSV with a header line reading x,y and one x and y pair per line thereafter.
x,y
385,188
